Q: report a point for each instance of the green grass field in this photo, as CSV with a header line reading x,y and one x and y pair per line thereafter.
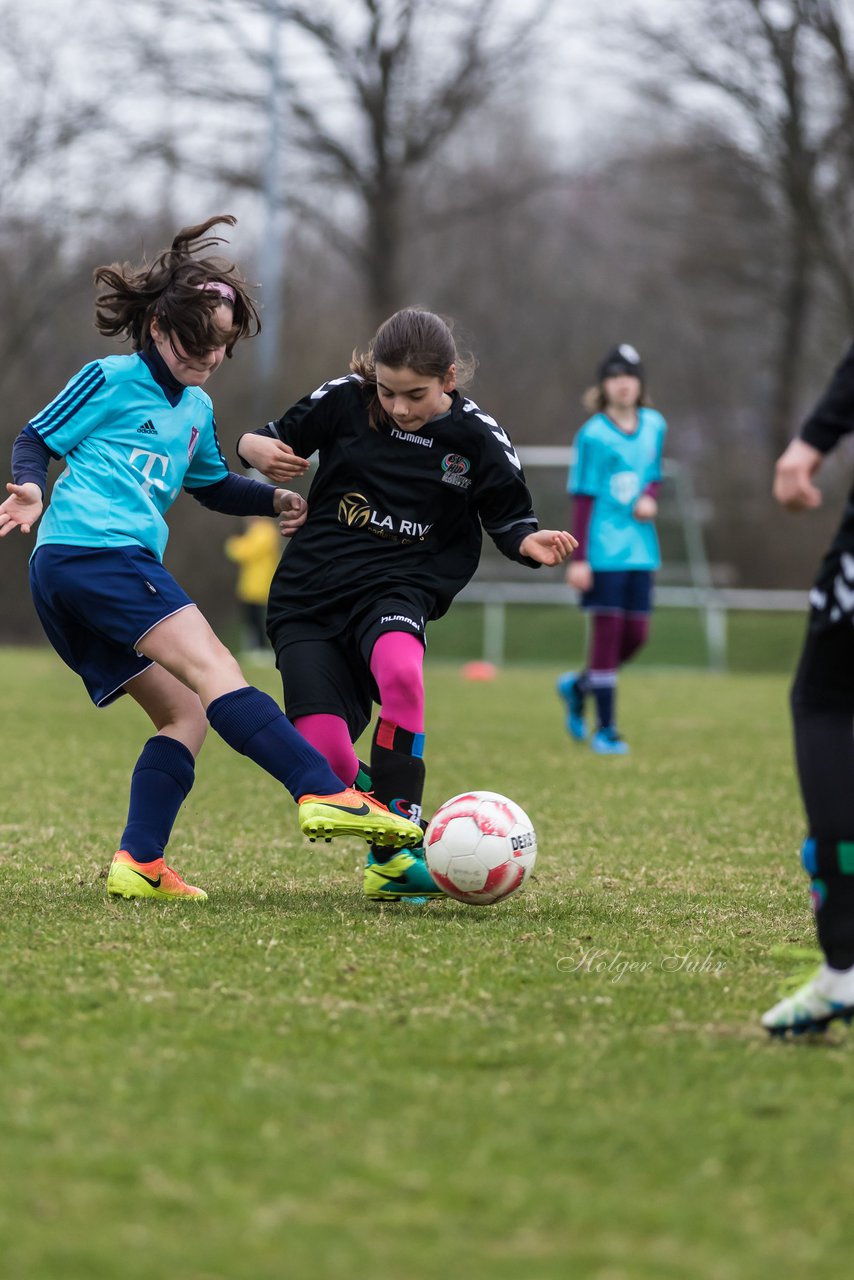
x,y
292,1082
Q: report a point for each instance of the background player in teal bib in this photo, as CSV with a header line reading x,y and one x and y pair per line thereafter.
x,y
133,431
614,481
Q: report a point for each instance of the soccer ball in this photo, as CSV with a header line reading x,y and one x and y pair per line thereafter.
x,y
480,847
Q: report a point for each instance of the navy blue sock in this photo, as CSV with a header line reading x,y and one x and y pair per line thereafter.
x,y
254,724
605,696
161,782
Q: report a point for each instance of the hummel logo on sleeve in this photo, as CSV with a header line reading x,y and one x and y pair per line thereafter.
x,y
147,429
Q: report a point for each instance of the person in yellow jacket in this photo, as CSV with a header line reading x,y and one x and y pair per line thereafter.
x,y
256,550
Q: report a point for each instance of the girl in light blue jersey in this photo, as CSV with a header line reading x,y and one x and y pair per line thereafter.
x,y
133,430
614,480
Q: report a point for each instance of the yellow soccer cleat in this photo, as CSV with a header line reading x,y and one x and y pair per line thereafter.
x,y
355,813
130,879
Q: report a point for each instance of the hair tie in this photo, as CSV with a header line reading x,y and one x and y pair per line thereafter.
x,y
224,290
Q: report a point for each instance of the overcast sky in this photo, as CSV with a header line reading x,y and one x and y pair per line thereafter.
x,y
578,97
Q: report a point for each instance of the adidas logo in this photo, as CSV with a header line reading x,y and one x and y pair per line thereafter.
x,y
147,429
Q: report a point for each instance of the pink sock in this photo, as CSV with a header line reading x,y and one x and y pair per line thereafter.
x,y
397,665
329,735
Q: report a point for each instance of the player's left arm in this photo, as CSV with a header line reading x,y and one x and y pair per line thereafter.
x,y
292,510
646,506
547,546
209,481
21,509
793,476
271,456
30,461
290,507
505,507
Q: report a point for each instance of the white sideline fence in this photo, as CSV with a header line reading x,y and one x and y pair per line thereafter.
x,y
712,603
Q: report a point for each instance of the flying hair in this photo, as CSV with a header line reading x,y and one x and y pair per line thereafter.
x,y
183,287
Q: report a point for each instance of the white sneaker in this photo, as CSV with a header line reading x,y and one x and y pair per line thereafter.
x,y
829,995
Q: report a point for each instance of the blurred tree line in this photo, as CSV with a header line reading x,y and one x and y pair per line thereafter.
x,y
407,151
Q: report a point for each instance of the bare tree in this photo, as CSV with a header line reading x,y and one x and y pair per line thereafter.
x,y
375,91
42,127
780,73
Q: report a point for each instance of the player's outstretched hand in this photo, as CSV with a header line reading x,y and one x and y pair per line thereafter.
x,y
292,509
22,509
646,507
273,458
579,575
548,546
793,486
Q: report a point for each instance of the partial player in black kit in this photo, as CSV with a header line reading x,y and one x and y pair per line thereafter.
x,y
822,704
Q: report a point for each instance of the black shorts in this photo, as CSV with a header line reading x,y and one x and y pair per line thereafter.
x,y
825,674
832,595
331,675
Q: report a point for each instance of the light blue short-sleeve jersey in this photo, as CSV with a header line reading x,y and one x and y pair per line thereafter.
x,y
614,468
128,452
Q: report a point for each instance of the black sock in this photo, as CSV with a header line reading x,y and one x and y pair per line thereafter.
x,y
824,750
830,866
397,773
362,780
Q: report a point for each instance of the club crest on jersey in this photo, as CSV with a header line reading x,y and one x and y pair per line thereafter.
x,y
456,469
354,510
194,440
358,512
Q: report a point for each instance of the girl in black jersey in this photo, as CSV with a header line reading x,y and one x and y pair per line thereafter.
x,y
410,472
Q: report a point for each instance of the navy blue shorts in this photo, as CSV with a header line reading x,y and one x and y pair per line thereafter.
x,y
96,605
619,591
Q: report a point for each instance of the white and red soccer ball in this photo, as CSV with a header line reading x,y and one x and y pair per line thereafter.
x,y
480,847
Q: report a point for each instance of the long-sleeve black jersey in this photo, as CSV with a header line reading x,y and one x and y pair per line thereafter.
x,y
833,416
394,511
